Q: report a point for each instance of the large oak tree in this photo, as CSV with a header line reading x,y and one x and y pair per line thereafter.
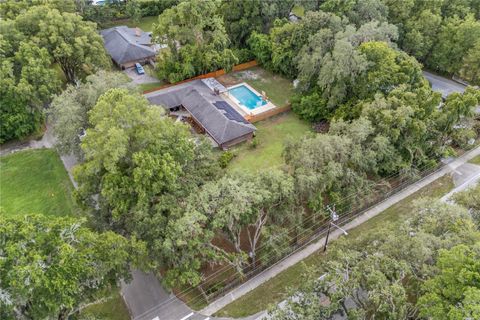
x,y
51,267
139,168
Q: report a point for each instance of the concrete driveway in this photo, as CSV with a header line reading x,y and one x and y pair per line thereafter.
x,y
139,78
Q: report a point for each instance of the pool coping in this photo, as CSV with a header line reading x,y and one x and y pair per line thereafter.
x,y
251,112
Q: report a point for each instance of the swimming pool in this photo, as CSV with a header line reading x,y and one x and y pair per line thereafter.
x,y
247,97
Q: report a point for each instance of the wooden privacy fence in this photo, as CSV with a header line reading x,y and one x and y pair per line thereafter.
x,y
212,74
268,113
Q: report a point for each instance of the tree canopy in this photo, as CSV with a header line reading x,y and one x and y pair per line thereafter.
x,y
37,37
139,166
27,82
68,112
378,274
71,42
52,267
454,292
195,38
248,203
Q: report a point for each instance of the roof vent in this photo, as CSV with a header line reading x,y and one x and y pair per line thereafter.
x,y
138,32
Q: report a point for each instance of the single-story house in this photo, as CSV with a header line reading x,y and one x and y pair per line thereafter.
x,y
128,46
202,102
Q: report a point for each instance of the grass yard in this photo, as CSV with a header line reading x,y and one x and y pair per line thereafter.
x,y
112,309
145,23
475,160
276,289
149,86
298,10
271,135
278,89
35,181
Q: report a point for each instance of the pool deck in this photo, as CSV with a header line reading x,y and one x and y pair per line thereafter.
x,y
243,109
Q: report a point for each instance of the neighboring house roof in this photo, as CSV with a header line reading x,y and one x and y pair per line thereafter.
x,y
221,121
443,85
126,44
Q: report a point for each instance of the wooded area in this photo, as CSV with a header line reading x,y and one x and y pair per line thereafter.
x,y
156,197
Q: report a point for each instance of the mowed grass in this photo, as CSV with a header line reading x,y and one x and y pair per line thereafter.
x,y
145,23
149,86
276,289
475,160
277,88
271,135
35,181
112,309
298,10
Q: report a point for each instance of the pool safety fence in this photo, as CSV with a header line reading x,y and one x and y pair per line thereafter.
x,y
267,114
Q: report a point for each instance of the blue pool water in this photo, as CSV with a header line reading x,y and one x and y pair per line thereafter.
x,y
247,97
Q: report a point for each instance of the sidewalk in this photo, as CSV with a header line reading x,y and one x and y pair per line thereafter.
x,y
310,249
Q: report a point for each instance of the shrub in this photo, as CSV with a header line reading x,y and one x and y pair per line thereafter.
x,y
254,143
243,55
225,159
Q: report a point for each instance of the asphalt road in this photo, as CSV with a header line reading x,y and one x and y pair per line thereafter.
x,y
443,85
146,299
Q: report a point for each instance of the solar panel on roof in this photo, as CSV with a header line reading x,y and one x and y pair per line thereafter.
x,y
230,113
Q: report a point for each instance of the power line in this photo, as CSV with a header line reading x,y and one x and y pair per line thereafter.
x,y
226,268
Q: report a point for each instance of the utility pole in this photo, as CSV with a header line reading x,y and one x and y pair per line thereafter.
x,y
334,216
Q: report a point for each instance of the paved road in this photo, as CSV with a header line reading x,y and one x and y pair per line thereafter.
x,y
443,85
146,299
464,177
310,249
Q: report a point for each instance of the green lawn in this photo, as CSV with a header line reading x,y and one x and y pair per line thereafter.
x,y
278,89
298,10
146,23
475,160
275,290
112,309
148,86
35,181
271,135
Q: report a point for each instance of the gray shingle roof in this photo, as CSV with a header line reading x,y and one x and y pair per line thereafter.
x,y
221,121
123,45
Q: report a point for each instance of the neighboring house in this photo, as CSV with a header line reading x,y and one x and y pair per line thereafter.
x,y
200,103
128,46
